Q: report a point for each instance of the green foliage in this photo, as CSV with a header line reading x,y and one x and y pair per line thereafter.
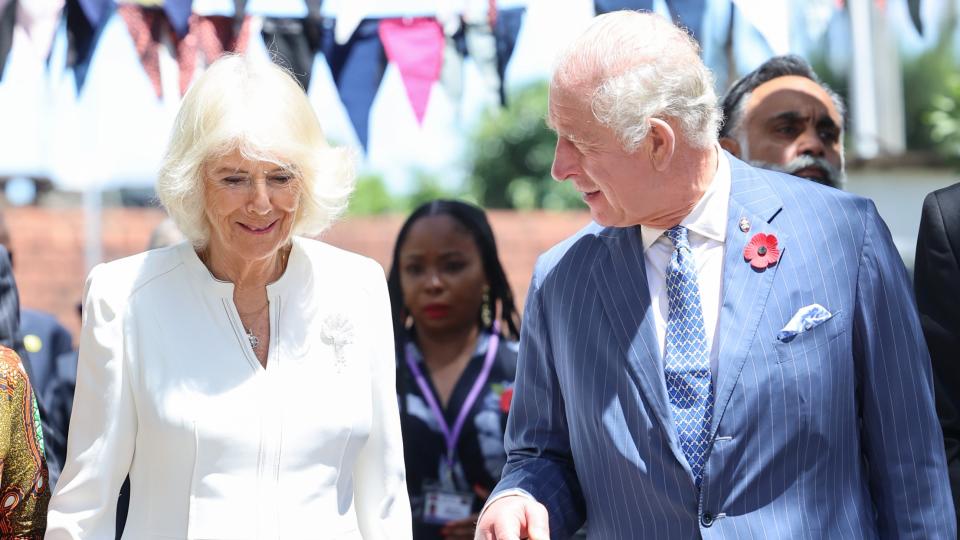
x,y
370,197
928,76
426,187
928,80
944,120
512,151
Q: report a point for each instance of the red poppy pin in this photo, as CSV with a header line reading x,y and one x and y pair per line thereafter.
x,y
762,251
505,399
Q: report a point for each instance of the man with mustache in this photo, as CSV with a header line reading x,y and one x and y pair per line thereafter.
x,y
782,117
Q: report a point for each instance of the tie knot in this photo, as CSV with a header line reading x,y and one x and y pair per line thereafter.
x,y
678,235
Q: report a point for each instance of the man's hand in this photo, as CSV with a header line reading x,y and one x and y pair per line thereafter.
x,y
514,517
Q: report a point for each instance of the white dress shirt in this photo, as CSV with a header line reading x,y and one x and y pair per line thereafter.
x,y
217,446
707,225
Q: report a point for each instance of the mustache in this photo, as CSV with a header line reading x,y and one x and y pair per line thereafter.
x,y
834,176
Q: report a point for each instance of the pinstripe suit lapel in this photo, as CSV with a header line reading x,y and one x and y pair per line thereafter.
x,y
745,290
621,280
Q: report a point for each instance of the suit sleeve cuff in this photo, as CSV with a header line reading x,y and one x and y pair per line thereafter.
x,y
512,492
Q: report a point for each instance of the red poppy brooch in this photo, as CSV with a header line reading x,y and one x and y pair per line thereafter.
x,y
505,398
762,251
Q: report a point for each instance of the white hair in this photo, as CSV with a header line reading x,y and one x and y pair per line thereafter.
x,y
640,66
257,108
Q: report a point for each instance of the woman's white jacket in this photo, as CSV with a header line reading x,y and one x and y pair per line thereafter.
x,y
216,446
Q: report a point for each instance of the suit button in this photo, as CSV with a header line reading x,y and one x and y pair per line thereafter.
x,y
706,519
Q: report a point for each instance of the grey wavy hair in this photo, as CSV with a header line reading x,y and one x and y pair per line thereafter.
x,y
641,66
257,108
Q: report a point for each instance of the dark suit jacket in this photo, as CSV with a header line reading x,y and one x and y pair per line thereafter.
x,y
10,309
937,284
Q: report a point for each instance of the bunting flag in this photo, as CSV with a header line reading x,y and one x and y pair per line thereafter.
x,y
770,19
914,7
39,20
211,35
606,6
687,13
293,43
178,14
357,67
146,27
85,22
506,28
416,47
8,19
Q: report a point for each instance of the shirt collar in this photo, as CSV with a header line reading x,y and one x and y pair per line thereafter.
x,y
709,217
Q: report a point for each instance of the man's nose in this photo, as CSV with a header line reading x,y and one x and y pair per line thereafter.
x,y
564,160
810,143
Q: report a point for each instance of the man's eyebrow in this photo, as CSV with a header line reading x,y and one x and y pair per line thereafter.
x,y
789,116
827,121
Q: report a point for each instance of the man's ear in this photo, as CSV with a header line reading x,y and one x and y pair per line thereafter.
x,y
661,142
730,145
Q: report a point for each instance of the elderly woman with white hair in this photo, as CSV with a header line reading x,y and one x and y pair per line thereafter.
x,y
244,379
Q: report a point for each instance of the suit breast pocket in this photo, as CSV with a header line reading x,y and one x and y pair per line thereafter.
x,y
812,341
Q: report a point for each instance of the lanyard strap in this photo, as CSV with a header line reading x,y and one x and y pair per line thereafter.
x,y
452,435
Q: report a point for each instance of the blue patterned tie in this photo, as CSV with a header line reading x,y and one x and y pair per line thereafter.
x,y
686,363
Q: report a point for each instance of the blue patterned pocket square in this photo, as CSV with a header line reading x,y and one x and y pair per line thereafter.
x,y
804,319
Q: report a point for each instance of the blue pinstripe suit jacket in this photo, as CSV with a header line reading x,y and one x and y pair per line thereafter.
x,y
832,435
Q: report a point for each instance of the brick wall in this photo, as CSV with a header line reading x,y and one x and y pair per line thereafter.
x,y
49,264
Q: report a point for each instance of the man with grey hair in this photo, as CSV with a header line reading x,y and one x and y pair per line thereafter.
x,y
782,117
727,352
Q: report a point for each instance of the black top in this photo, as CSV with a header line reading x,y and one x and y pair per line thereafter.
x,y
480,456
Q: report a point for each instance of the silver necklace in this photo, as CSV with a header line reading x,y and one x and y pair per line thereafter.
x,y
253,339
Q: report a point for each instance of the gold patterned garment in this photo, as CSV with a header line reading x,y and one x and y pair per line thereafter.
x,y
23,470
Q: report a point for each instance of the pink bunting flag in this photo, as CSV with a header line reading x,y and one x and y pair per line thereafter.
x,y
416,46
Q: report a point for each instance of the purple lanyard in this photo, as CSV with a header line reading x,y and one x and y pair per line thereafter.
x,y
451,435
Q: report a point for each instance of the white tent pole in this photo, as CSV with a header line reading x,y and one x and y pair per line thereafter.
x,y
864,98
92,218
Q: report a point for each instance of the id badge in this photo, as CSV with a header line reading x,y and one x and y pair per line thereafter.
x,y
440,506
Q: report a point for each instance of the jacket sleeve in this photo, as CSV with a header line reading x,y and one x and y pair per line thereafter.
x,y
9,306
936,279
382,503
901,437
539,459
103,425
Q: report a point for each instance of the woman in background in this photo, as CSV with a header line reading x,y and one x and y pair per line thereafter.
x,y
244,379
23,483
456,327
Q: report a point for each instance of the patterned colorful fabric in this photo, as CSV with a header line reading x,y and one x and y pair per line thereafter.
x,y
24,492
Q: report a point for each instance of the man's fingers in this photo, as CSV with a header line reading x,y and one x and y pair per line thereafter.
x,y
538,522
505,530
512,518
